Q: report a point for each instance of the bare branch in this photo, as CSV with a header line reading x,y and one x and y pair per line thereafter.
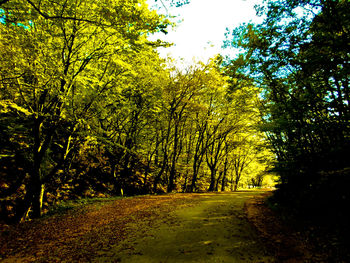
x,y
46,16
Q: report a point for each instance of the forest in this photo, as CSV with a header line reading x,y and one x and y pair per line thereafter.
x,y
90,109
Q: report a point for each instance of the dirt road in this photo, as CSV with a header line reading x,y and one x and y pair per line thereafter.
x,y
170,228
215,229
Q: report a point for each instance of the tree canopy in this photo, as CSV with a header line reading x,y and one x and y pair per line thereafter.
x,y
299,56
89,108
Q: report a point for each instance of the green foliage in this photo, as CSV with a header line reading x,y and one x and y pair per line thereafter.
x,y
88,108
299,55
58,61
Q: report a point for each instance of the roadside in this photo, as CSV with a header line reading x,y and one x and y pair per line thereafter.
x,y
293,240
79,234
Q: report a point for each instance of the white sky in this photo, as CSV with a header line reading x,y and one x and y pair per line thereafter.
x,y
201,34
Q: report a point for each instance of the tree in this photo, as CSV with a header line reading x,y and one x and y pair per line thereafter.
x,y
299,56
242,157
213,85
57,69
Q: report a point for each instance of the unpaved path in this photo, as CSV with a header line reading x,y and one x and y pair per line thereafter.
x,y
215,229
170,228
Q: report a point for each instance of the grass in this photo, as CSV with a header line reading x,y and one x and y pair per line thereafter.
x,y
65,206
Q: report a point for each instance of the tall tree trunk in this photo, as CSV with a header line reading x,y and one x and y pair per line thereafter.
x,y
172,173
194,177
145,178
212,180
32,200
223,182
217,182
159,175
24,206
38,200
238,177
173,164
231,181
33,197
171,184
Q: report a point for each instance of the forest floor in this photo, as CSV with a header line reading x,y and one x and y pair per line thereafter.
x,y
208,227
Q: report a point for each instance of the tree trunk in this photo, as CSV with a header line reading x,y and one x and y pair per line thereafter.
x,y
145,178
223,182
22,210
33,199
217,182
37,203
194,178
171,184
212,180
173,164
238,176
231,181
159,175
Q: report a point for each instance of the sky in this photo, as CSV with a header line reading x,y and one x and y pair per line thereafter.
x,y
201,33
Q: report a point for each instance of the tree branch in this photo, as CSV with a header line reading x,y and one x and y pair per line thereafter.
x,y
46,16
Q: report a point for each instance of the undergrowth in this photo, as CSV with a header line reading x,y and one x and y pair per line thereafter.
x,y
65,206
